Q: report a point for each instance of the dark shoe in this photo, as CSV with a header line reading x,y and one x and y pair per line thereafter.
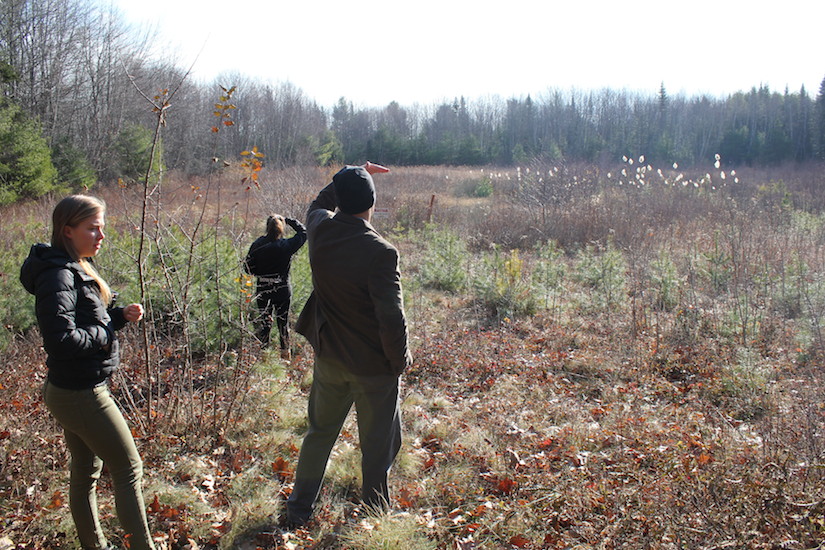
x,y
286,523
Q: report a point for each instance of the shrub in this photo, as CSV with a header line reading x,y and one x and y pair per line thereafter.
x,y
188,290
717,267
602,272
549,272
503,285
445,262
665,281
742,387
26,168
478,188
16,304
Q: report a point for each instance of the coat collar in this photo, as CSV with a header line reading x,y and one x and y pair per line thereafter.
x,y
353,220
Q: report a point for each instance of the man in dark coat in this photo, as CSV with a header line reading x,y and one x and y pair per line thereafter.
x,y
356,324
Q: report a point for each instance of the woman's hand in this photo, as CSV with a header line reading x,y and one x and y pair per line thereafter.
x,y
133,313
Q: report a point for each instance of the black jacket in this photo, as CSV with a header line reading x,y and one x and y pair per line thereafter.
x,y
78,329
269,260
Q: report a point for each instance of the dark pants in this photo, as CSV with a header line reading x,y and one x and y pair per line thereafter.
x,y
271,305
96,433
333,393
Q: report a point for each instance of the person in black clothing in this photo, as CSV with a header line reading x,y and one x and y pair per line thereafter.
x,y
269,259
78,322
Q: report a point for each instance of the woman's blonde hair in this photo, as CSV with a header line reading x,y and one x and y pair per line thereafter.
x,y
70,212
275,226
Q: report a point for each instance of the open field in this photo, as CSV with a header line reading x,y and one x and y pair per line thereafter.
x,y
605,357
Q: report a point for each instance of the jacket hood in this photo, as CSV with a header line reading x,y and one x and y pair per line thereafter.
x,y
41,257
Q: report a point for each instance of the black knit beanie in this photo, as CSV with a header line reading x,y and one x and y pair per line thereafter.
x,y
354,189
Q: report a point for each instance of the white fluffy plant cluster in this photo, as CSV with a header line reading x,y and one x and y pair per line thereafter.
x,y
638,173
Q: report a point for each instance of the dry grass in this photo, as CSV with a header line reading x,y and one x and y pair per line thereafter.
x,y
643,422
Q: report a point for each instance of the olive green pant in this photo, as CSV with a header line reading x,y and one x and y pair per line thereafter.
x,y
334,391
96,433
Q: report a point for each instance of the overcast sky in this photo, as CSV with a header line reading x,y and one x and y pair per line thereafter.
x,y
376,51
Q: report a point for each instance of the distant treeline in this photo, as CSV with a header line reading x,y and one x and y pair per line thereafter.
x,y
75,82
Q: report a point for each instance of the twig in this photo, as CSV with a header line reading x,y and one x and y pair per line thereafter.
x,y
160,110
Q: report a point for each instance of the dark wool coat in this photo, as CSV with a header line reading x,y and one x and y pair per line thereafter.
x,y
78,329
355,315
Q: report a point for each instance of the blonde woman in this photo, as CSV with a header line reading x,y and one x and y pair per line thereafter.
x,y
269,258
78,321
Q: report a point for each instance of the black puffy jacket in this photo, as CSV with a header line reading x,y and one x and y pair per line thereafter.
x,y
78,329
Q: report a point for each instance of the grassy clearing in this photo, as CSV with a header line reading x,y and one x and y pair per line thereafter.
x,y
609,366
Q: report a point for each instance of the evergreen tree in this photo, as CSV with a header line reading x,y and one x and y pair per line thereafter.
x,y
73,168
133,147
26,168
329,151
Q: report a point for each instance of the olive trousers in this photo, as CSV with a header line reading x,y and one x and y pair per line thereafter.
x,y
96,433
333,392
